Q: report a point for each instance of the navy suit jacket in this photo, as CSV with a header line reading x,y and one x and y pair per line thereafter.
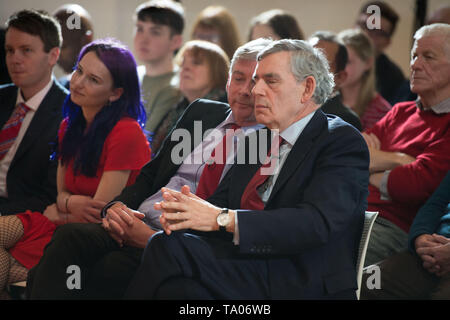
x,y
310,228
31,178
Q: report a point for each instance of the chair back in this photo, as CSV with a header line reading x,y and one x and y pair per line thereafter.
x,y
369,219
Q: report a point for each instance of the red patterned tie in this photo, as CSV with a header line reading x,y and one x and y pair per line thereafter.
x,y
250,199
11,128
209,180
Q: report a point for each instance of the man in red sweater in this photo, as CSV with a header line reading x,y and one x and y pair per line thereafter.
x,y
410,147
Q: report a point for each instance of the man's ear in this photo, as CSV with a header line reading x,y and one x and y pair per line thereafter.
x,y
310,86
177,41
339,78
53,56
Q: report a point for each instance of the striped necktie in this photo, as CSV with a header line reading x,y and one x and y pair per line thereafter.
x,y
11,128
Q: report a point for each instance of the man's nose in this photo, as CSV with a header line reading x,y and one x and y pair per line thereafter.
x,y
14,57
416,63
258,88
246,88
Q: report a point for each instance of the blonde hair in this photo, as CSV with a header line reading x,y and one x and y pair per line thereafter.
x,y
220,19
215,57
363,47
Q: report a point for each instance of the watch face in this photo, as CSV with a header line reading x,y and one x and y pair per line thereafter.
x,y
222,219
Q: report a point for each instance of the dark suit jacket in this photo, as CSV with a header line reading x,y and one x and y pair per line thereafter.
x,y
335,106
389,78
31,178
157,173
310,229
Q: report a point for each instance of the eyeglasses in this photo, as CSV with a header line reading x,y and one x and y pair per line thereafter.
x,y
373,32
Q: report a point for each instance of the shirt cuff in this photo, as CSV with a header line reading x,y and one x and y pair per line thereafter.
x,y
384,194
236,230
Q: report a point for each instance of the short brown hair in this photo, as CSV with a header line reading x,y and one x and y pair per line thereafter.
x,y
37,23
216,58
164,12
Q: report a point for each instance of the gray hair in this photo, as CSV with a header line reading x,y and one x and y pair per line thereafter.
x,y
305,61
436,30
249,51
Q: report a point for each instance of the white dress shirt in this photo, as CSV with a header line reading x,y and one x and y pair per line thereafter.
x,y
33,103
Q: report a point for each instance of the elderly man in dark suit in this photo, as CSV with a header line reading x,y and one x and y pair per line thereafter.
x,y
299,232
27,175
109,256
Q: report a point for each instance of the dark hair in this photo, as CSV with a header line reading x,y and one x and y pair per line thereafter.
x,y
165,12
66,11
282,23
86,148
341,58
386,12
37,23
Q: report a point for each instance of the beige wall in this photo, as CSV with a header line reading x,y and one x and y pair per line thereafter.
x,y
113,17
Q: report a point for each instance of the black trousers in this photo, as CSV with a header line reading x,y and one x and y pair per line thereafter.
x,y
87,251
186,266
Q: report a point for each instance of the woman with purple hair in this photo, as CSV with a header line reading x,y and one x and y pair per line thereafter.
x,y
102,147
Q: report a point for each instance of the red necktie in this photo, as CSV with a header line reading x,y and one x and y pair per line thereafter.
x,y
11,128
210,178
250,199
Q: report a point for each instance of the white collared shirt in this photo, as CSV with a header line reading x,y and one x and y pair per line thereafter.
x,y
191,169
290,135
33,103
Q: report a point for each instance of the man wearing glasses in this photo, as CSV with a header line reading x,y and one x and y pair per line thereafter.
x,y
389,77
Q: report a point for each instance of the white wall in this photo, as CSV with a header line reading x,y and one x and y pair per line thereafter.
x,y
113,17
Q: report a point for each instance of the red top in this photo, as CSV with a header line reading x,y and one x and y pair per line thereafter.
x,y
376,109
125,148
424,135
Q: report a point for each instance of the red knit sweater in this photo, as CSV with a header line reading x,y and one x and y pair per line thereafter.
x,y
424,135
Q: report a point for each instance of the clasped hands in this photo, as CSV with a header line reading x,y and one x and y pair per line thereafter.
x,y
179,210
434,250
184,210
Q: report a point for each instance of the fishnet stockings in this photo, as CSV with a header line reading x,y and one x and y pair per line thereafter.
x,y
11,230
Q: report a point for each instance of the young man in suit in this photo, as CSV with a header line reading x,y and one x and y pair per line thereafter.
x,y
27,175
109,256
302,239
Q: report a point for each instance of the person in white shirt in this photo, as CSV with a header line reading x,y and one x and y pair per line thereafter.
x,y
27,175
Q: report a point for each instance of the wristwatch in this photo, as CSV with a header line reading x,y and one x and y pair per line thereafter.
x,y
223,219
